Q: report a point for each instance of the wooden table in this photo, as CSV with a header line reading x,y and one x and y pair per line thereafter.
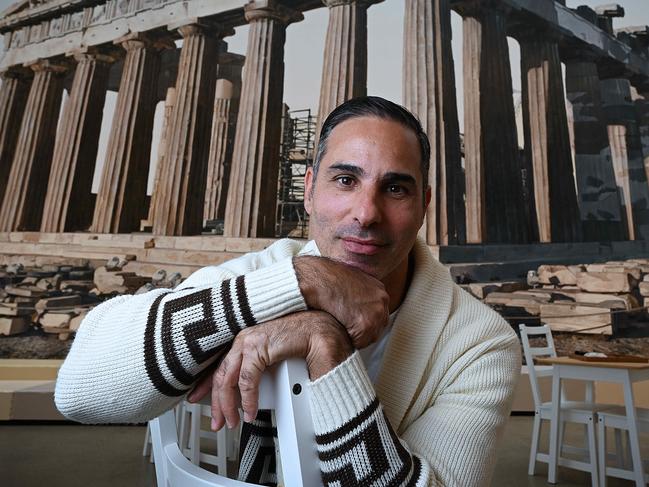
x,y
625,373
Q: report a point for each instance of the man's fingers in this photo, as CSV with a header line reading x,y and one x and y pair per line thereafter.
x,y
218,420
201,388
227,382
252,368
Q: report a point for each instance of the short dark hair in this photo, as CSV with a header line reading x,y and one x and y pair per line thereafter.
x,y
374,106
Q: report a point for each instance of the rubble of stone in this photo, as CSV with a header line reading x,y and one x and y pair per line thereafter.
x,y
56,298
587,298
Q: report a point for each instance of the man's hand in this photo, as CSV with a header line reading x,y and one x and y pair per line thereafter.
x,y
356,299
313,335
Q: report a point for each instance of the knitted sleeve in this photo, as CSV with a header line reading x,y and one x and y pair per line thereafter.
x,y
452,443
135,356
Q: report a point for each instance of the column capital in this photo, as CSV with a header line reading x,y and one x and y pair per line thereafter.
x,y
198,26
271,9
476,8
140,40
360,3
104,54
49,65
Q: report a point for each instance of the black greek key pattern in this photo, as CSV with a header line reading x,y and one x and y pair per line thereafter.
x,y
257,463
186,329
366,452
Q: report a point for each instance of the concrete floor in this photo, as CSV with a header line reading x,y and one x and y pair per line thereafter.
x,y
73,455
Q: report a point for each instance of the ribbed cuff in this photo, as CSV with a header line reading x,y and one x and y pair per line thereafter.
x,y
273,291
340,395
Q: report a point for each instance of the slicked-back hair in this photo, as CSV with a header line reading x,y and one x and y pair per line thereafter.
x,y
374,106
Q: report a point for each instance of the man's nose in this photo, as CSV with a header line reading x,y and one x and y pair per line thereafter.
x,y
367,209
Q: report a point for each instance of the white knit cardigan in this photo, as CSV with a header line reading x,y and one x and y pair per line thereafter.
x,y
441,399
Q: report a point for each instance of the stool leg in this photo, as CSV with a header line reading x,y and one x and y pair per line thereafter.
x,y
592,449
601,450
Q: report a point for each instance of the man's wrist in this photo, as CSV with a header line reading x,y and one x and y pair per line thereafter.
x,y
307,279
326,350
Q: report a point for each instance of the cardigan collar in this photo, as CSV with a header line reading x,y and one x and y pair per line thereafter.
x,y
417,326
421,319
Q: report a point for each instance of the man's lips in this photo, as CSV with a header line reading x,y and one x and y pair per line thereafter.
x,y
361,246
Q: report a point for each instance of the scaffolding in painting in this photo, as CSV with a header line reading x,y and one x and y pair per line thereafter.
x,y
296,155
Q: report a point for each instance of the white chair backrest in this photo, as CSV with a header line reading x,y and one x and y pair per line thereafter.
x,y
531,352
284,389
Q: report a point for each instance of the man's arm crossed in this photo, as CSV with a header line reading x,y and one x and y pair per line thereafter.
x,y
135,356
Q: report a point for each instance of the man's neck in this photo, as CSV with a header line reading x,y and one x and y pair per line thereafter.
x,y
397,282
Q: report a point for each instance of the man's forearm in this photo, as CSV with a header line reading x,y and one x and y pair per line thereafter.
x,y
134,356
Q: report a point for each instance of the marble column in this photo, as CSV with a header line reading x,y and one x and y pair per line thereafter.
x,y
13,96
69,201
170,101
597,192
495,208
226,107
180,196
547,140
344,69
22,206
252,199
121,200
429,93
641,102
626,149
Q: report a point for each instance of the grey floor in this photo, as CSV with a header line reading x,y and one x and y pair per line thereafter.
x,y
73,455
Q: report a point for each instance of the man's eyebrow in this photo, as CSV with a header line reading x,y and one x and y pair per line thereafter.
x,y
399,177
346,167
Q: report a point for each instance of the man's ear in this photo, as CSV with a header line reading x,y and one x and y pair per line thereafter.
x,y
427,197
308,189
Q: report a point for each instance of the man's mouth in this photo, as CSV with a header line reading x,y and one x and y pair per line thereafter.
x,y
362,246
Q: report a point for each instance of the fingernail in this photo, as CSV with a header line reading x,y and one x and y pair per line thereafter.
x,y
248,417
227,422
213,425
190,398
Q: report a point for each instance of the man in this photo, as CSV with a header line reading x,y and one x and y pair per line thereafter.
x,y
412,378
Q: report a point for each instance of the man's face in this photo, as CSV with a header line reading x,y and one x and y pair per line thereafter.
x,y
366,204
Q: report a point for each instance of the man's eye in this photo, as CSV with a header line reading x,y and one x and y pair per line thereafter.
x,y
395,189
345,180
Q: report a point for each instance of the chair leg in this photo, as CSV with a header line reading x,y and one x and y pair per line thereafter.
x,y
536,430
195,435
601,451
146,449
592,449
183,416
222,452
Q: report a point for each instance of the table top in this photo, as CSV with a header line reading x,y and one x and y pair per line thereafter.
x,y
584,363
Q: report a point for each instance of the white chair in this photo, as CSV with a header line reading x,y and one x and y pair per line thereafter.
x,y
580,412
283,388
190,434
616,418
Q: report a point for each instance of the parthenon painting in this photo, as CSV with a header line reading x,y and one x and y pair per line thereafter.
x,y
579,175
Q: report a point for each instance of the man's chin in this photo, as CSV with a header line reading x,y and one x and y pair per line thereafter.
x,y
367,264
